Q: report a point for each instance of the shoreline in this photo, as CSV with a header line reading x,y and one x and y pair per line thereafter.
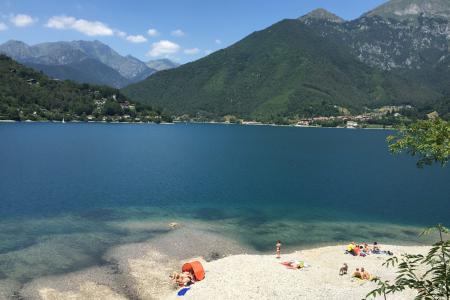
x,y
194,122
84,122
140,270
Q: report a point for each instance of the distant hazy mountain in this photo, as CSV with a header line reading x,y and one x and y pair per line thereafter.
x,y
162,64
84,71
310,65
82,61
128,66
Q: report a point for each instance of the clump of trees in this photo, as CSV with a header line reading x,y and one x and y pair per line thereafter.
x,y
429,140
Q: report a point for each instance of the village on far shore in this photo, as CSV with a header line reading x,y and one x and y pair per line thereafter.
x,y
383,117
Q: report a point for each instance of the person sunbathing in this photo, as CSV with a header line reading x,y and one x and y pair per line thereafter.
x,y
294,264
175,276
350,247
298,264
376,248
357,274
365,275
182,279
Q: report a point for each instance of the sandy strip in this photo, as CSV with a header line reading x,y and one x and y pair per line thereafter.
x,y
263,277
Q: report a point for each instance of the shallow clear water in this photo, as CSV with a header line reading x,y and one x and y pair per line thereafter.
x,y
68,191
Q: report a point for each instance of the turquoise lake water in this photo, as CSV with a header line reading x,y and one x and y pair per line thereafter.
x,y
64,188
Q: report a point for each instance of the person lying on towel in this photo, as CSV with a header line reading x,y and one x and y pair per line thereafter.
x,y
182,279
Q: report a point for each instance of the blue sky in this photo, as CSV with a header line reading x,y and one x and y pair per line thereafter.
x,y
183,30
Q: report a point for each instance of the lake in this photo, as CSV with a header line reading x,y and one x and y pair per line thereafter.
x,y
63,186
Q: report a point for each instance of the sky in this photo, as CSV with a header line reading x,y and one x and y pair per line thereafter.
x,y
181,30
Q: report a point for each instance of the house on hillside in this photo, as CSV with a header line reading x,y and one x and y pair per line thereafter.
x,y
351,124
127,105
302,123
100,103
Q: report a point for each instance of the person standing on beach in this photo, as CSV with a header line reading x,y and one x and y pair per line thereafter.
x,y
278,246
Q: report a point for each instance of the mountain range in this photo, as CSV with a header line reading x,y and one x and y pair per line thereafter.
x,y
318,64
83,61
162,64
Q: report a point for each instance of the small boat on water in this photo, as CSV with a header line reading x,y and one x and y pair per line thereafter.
x,y
63,121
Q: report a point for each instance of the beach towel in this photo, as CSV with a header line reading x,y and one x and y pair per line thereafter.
x,y
361,281
183,291
383,252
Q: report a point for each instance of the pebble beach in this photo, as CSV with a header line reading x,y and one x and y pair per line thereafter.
x,y
263,277
141,271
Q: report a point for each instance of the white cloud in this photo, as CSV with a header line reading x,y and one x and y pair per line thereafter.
x,y
120,33
208,51
22,20
3,26
90,28
163,47
217,41
152,32
191,51
178,33
136,38
60,22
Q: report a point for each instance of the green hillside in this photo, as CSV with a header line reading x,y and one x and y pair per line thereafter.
x,y
29,95
289,69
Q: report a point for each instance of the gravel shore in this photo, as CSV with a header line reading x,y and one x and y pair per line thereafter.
x,y
141,271
263,277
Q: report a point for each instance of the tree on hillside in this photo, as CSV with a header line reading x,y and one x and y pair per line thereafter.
x,y
429,275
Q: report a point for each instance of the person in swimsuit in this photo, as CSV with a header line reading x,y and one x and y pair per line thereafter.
x,y
182,279
278,247
357,274
350,247
376,248
364,274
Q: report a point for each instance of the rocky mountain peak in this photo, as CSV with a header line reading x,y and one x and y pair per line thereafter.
x,y
322,14
406,9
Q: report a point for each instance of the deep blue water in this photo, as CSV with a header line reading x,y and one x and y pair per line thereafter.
x,y
251,175
53,168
